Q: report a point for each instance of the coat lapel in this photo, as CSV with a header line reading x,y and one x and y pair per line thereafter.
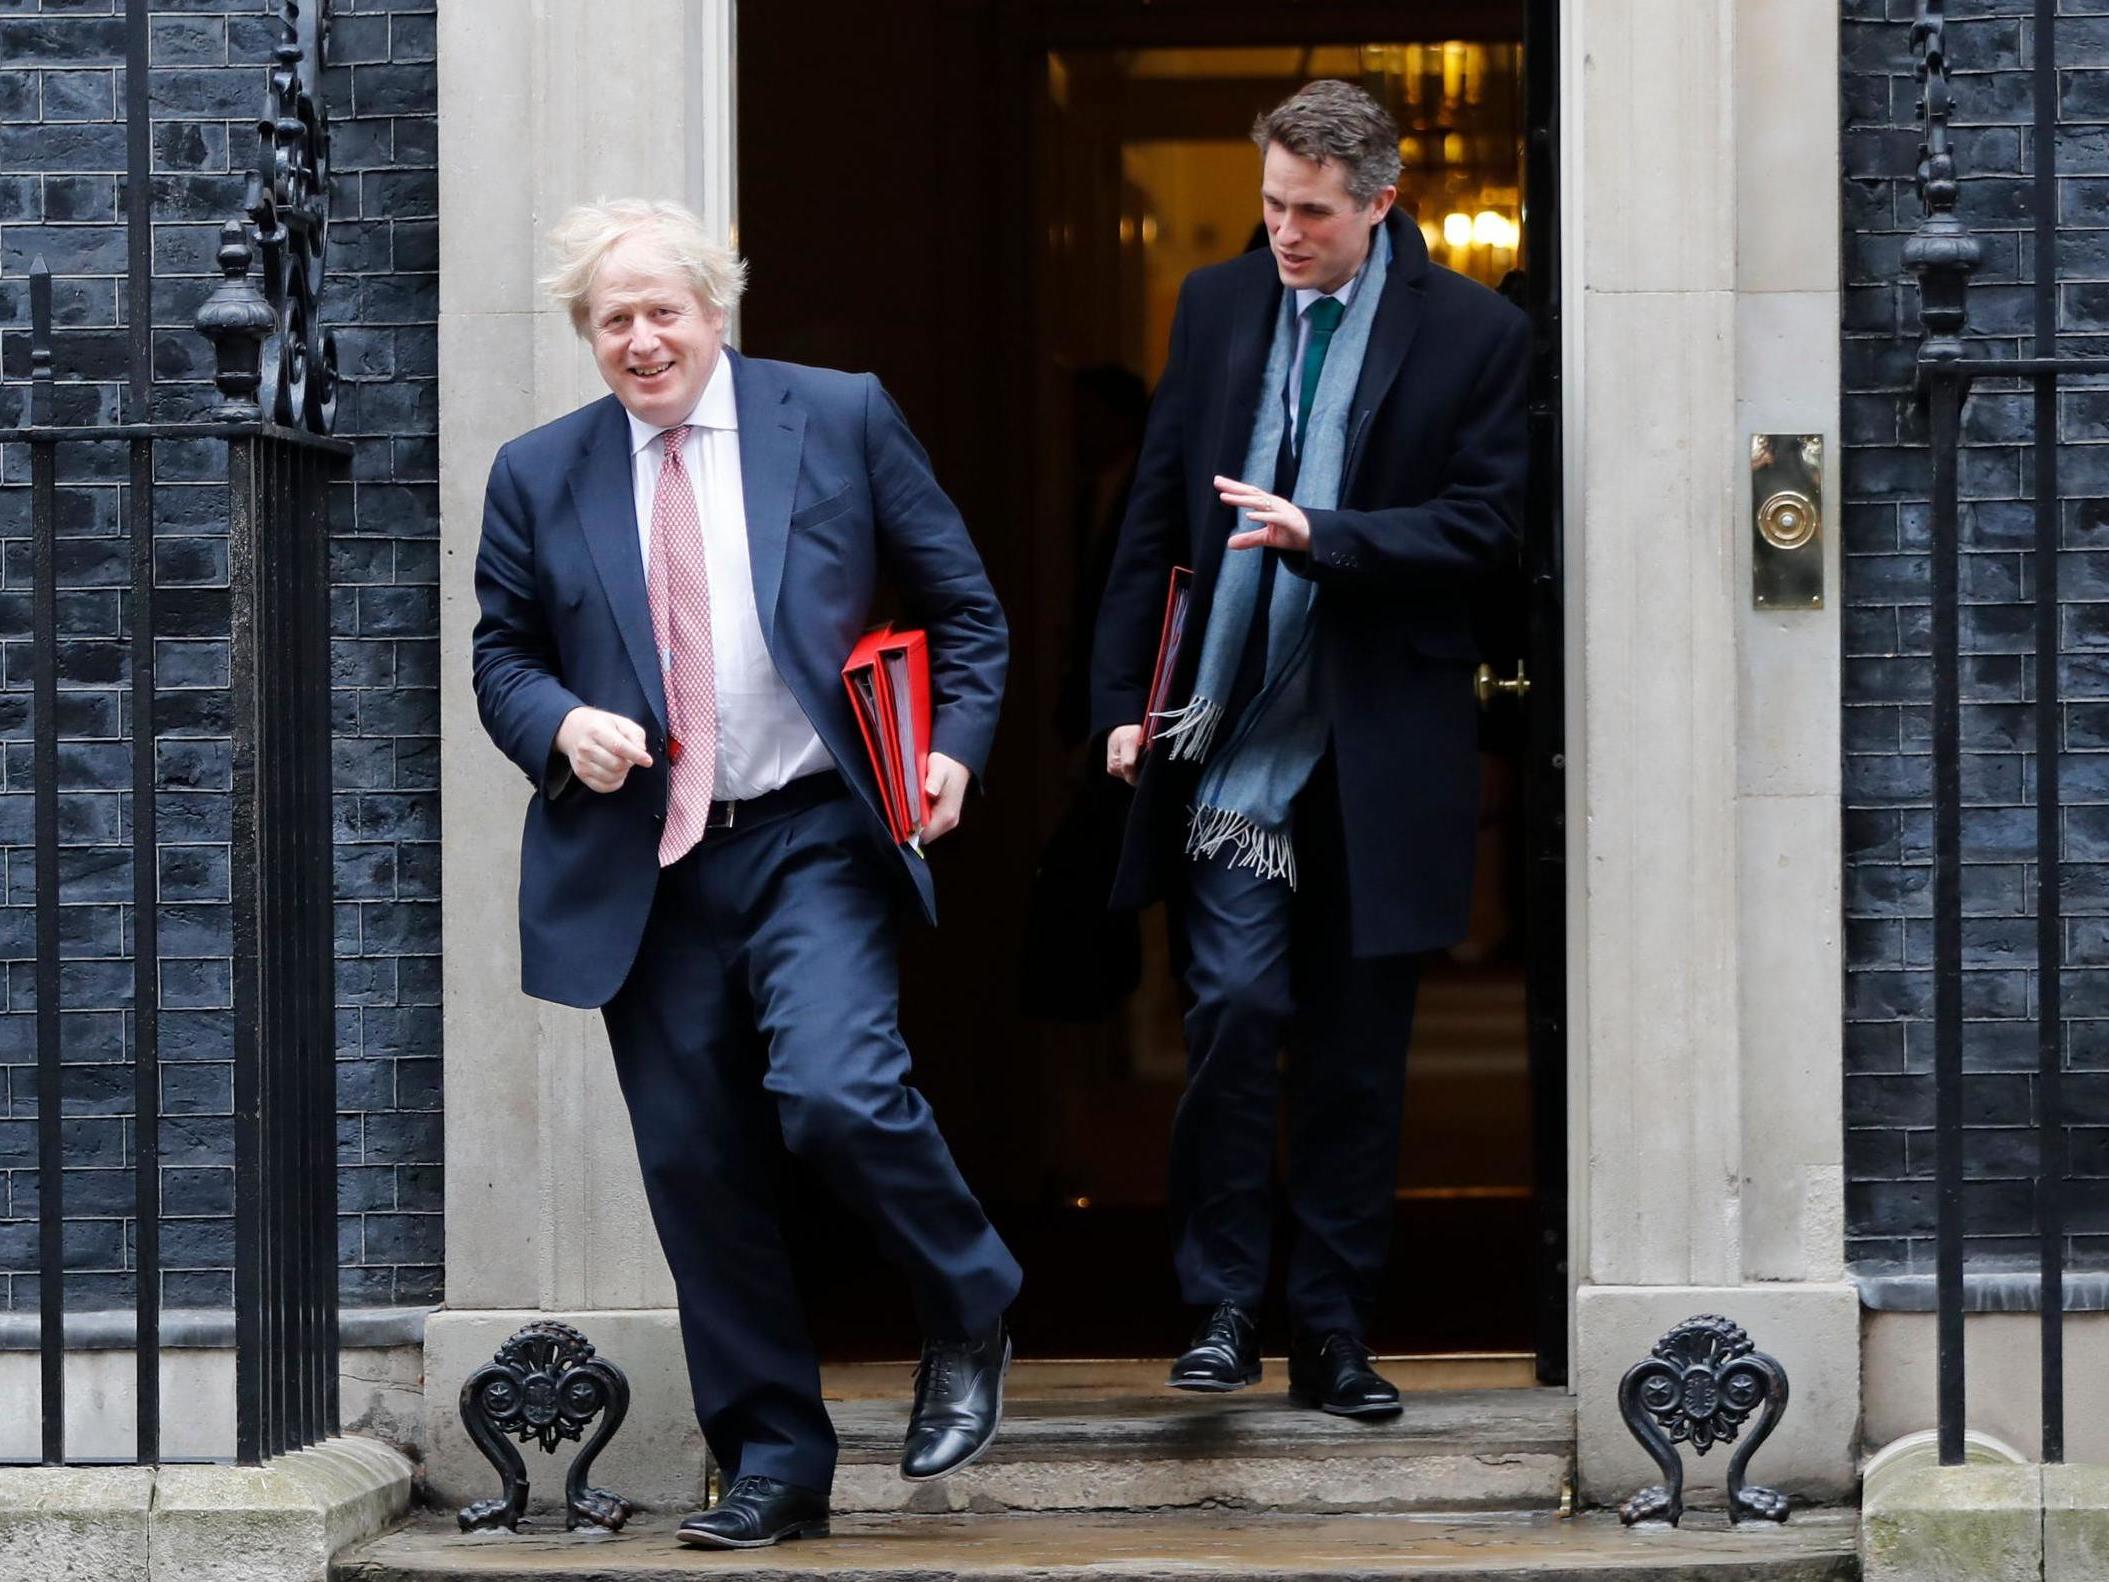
x,y
604,495
772,437
1390,337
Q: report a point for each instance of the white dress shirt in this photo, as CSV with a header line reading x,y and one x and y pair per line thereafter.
x,y
1305,296
764,738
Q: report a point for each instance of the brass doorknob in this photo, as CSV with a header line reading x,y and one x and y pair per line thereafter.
x,y
1486,684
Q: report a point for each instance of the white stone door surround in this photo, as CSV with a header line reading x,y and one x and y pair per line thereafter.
x,y
1700,246
1701,231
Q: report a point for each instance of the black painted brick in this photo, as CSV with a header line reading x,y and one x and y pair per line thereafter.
x,y
1887,676
62,157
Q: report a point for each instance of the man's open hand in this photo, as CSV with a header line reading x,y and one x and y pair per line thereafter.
x,y
1124,752
601,747
945,783
1276,523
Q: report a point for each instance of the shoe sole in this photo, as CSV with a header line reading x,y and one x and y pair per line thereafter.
x,y
981,1449
1205,1386
1298,1398
696,1540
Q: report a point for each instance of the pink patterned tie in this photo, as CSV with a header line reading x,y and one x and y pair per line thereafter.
x,y
678,584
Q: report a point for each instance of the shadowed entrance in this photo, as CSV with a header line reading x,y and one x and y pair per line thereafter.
x,y
1031,183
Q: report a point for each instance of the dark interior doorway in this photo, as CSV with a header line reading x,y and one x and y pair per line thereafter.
x,y
991,205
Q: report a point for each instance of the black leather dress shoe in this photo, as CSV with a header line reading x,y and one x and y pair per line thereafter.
x,y
958,1404
1332,1373
1224,1354
755,1513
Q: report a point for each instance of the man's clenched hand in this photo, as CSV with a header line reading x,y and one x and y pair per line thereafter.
x,y
945,784
601,747
1124,753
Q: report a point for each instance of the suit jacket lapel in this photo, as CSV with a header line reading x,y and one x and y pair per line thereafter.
x,y
603,492
1252,313
772,436
1390,337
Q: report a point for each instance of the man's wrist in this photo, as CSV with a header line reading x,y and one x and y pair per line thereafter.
x,y
567,727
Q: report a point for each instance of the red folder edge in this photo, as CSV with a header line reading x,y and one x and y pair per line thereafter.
x,y
865,657
915,648
900,790
1167,653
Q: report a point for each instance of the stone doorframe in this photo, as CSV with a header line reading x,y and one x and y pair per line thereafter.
x,y
1700,248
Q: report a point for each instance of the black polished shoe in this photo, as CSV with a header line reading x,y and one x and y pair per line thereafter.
x,y
1224,1354
755,1513
958,1404
1332,1373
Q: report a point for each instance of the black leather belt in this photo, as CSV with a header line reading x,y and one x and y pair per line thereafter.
x,y
810,791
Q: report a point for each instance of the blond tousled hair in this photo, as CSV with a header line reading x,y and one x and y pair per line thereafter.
x,y
584,237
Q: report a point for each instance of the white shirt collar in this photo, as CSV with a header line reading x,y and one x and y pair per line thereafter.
x,y
714,408
1306,295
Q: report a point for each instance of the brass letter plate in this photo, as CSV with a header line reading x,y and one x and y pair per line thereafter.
x,y
1786,526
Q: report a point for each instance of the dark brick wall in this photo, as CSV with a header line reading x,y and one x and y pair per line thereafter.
x,y
62,149
1888,671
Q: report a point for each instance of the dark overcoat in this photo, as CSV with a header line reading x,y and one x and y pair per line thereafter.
x,y
1431,500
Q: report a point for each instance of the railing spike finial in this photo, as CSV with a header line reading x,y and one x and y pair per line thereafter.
x,y
236,319
41,371
1942,252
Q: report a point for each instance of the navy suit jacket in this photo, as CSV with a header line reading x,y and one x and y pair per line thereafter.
x,y
1431,498
836,490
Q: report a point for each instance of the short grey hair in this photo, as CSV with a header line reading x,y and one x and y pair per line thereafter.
x,y
1334,122
583,238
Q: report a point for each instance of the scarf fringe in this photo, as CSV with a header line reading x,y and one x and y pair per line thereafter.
x,y
1187,732
1270,853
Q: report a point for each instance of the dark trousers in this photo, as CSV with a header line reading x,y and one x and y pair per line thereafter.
x,y
760,1017
1270,969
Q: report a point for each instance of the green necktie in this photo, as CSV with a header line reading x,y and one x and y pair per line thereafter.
x,y
1324,318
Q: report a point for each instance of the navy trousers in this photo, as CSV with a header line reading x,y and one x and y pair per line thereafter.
x,y
760,1017
1270,971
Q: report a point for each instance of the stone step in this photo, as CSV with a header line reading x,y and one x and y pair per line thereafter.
x,y
1451,1450
1193,1546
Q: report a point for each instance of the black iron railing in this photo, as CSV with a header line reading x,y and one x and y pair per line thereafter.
x,y
1943,254
269,432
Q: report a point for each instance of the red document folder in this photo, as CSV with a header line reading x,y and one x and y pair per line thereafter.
x,y
1170,637
888,678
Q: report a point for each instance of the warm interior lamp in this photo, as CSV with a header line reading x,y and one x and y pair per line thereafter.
x,y
1457,229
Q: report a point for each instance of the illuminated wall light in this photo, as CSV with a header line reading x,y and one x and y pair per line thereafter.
x,y
1491,230
1457,229
1149,230
1127,229
1430,234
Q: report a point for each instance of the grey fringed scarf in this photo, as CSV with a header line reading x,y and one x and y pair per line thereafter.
x,y
1250,781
